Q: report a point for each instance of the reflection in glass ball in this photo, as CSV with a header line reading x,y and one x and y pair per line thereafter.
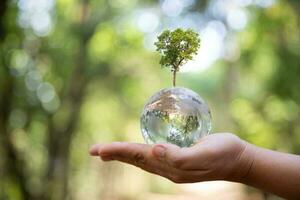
x,y
175,115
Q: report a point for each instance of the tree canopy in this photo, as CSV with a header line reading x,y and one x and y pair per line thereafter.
x,y
176,48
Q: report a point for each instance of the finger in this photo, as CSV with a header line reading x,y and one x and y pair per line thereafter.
x,y
94,150
123,149
139,155
133,153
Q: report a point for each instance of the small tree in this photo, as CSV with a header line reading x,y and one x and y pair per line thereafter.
x,y
176,48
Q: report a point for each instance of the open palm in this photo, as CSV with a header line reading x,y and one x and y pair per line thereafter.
x,y
214,157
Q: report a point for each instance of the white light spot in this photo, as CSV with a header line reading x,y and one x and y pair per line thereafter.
x,y
32,80
149,41
172,8
188,3
41,23
237,19
45,92
36,14
35,5
52,105
220,8
210,50
219,27
243,3
148,22
264,3
19,62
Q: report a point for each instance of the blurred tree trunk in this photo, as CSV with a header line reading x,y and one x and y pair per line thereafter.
x,y
3,8
13,163
59,141
13,169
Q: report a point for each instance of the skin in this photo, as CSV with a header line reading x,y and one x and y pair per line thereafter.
x,y
222,156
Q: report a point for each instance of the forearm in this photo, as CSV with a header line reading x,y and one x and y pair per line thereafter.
x,y
272,171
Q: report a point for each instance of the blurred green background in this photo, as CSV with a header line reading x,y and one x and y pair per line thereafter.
x,y
77,72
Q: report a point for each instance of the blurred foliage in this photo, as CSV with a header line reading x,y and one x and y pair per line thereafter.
x,y
86,80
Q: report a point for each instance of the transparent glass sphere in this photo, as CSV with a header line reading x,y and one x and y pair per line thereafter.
x,y
175,115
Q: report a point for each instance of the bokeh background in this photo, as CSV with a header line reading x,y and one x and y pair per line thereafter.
x,y
78,72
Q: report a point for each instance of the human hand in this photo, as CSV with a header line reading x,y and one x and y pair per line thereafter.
x,y
215,157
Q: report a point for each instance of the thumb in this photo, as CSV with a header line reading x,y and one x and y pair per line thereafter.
x,y
171,154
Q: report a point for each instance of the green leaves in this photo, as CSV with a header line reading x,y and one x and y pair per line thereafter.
x,y
177,47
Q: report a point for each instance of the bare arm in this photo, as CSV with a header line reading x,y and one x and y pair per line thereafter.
x,y
215,157
272,171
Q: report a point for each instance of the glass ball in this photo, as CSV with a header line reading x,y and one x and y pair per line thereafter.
x,y
175,115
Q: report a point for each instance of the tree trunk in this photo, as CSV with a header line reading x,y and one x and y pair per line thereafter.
x,y
12,169
59,141
13,164
3,8
174,78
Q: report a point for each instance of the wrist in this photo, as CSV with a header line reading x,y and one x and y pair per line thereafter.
x,y
244,163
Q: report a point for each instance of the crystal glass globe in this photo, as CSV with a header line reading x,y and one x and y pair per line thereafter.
x,y
175,115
